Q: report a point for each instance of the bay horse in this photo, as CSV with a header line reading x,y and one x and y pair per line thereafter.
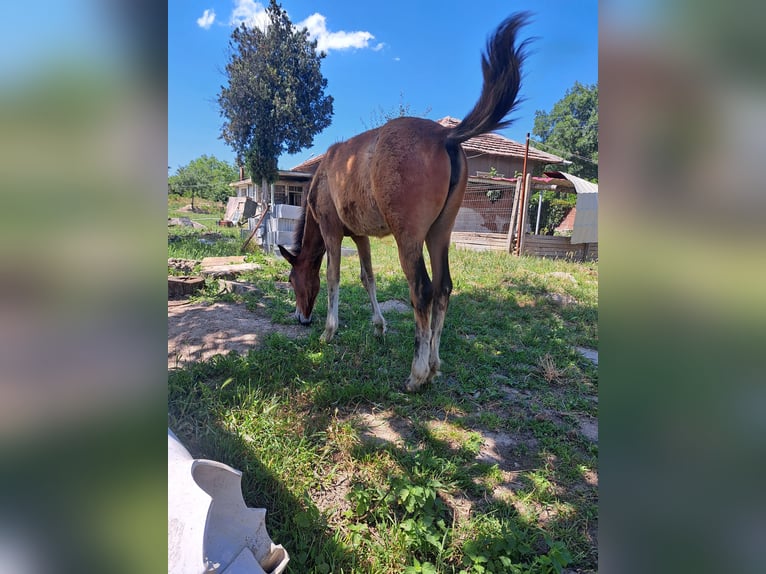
x,y
405,178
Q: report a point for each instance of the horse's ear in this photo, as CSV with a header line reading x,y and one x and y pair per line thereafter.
x,y
291,259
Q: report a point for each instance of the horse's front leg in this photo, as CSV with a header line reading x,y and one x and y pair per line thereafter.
x,y
333,282
368,280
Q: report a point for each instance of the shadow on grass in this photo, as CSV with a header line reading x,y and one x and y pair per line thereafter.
x,y
255,412
197,413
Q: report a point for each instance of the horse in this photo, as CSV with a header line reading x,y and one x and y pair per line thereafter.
x,y
406,178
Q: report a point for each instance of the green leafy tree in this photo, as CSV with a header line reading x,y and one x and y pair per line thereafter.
x,y
571,130
206,177
555,207
274,101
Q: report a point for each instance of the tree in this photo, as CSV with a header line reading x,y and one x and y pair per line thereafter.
x,y
206,177
571,129
380,116
275,100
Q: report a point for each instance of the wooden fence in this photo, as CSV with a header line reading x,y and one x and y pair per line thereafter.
x,y
557,247
487,221
551,246
480,241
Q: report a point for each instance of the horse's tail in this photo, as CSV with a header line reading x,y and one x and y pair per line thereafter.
x,y
501,66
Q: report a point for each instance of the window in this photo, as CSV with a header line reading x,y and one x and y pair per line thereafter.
x,y
295,194
279,194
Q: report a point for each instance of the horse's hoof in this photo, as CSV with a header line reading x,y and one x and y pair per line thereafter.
x,y
412,385
380,330
326,337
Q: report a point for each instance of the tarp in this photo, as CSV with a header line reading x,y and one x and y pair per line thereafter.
x,y
239,208
585,228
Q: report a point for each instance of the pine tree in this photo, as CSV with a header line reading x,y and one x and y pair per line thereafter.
x,y
275,100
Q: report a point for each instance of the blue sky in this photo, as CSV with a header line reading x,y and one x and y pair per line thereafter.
x,y
424,54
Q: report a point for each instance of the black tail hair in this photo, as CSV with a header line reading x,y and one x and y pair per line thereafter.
x,y
501,66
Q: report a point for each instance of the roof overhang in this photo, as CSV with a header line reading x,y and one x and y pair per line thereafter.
x,y
284,175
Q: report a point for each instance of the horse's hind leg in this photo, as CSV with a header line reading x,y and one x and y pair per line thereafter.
x,y
438,242
421,295
368,280
438,248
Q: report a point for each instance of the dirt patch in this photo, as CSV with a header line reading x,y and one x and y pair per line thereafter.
x,y
496,447
589,428
460,506
184,222
500,448
384,427
198,331
195,209
396,306
332,499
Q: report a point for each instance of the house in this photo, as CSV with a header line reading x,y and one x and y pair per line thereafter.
x,y
501,156
288,189
493,161
284,198
310,165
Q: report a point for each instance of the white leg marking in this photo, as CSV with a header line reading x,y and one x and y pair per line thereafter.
x,y
331,325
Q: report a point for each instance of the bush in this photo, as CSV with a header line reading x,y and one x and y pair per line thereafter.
x,y
556,206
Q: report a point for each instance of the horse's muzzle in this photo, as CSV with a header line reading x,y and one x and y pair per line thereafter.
x,y
303,320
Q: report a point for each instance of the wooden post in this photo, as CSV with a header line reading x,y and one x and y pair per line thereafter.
x,y
523,214
257,225
514,210
522,199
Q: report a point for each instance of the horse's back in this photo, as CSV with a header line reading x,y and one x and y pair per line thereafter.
x,y
394,178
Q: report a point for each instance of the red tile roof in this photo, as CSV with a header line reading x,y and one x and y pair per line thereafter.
x,y
309,165
495,144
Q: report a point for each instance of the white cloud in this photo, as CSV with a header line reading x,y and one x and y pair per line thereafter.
x,y
252,14
206,20
316,24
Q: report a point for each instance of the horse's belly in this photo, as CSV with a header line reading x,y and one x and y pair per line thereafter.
x,y
364,219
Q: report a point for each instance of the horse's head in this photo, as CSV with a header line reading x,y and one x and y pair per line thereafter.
x,y
304,278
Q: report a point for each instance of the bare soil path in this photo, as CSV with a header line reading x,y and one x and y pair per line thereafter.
x,y
198,331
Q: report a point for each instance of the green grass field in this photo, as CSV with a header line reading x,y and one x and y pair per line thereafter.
x,y
489,469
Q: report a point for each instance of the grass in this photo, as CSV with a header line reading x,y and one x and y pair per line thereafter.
x,y
295,417
206,212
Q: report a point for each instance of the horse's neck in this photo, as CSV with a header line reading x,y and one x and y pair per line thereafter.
x,y
313,244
